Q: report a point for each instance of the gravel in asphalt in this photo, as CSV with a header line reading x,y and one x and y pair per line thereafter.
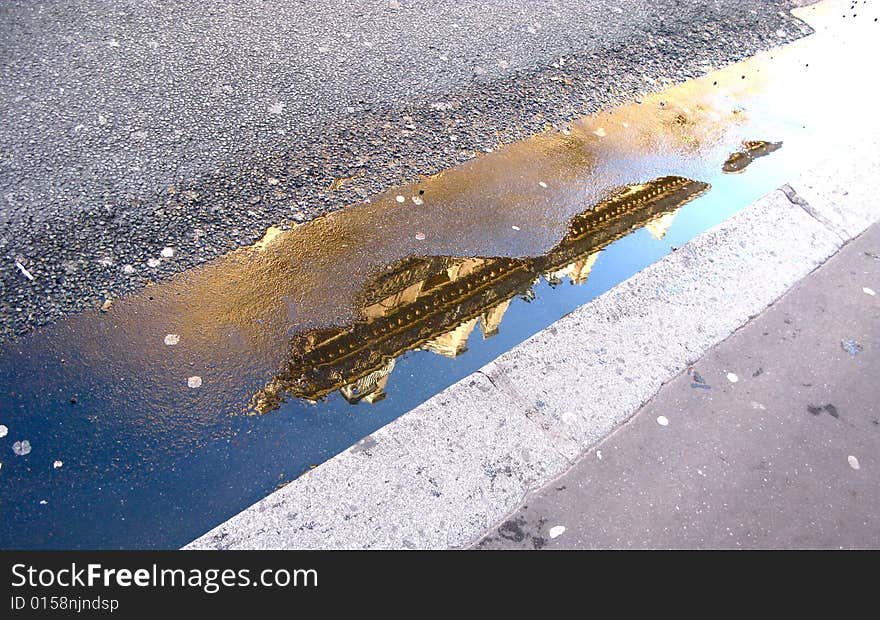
x,y
771,440
128,128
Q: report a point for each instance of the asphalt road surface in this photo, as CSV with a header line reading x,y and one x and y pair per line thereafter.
x,y
128,127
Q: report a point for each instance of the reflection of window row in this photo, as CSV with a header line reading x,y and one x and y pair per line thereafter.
x,y
435,303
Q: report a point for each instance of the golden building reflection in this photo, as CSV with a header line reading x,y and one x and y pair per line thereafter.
x,y
435,303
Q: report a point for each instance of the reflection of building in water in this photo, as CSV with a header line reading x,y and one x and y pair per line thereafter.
x,y
491,319
577,272
454,342
370,387
658,227
435,303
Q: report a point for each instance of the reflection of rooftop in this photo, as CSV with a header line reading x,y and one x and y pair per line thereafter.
x,y
434,303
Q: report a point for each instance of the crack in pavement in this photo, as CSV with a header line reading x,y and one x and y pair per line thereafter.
x,y
798,200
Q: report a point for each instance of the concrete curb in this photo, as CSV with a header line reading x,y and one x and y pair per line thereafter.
x,y
440,475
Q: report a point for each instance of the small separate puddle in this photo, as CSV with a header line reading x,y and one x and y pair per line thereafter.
x,y
752,149
140,418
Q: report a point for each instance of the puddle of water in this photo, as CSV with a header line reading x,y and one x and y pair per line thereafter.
x,y
153,457
141,477
434,303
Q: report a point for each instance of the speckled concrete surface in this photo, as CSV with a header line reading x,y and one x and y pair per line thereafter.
x,y
131,126
771,440
827,188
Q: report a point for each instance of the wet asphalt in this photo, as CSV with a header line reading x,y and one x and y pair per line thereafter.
x,y
769,441
131,127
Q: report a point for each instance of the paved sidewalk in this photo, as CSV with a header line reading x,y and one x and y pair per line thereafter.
x,y
771,440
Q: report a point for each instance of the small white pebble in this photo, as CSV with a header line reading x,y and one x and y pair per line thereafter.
x,y
542,184
662,420
732,377
599,454
556,531
22,448
128,269
418,201
868,291
57,465
420,236
172,339
400,199
600,132
153,262
515,227
853,462
757,406
167,252
194,382
43,502
3,430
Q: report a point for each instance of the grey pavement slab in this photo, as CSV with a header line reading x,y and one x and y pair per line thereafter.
x,y
772,439
840,187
